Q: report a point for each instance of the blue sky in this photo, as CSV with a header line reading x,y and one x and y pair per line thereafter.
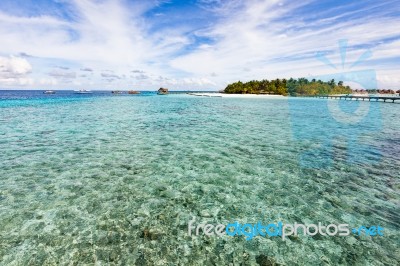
x,y
195,44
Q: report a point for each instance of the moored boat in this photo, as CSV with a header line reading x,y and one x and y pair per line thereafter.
x,y
83,91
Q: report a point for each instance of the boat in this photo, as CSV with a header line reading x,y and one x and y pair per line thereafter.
x,y
116,92
49,92
133,92
83,91
162,91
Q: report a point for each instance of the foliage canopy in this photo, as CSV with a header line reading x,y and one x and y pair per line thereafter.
x,y
293,87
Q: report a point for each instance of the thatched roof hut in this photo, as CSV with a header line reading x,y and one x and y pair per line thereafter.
x,y
162,91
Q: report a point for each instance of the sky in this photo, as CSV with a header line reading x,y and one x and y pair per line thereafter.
x,y
193,44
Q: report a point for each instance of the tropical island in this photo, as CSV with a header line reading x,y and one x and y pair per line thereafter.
x,y
292,87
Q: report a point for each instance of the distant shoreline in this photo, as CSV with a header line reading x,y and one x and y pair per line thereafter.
x,y
229,95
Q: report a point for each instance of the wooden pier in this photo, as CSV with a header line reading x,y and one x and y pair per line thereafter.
x,y
359,97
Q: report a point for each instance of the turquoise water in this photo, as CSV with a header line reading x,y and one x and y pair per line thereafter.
x,y
115,180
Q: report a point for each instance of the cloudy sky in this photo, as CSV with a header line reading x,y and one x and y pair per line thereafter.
x,y
193,44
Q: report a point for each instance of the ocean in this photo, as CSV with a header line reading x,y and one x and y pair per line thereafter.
x,y
115,179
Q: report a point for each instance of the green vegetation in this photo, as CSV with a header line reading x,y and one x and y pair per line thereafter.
x,y
293,87
277,86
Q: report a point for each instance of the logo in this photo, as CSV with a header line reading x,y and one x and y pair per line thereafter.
x,y
331,129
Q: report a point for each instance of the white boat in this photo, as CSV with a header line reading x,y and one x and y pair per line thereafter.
x,y
82,91
49,92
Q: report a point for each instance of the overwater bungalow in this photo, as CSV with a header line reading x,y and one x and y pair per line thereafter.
x,y
162,91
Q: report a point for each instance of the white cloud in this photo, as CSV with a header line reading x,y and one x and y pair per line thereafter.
x,y
14,66
105,34
255,37
110,75
249,40
198,81
15,71
388,79
48,81
57,73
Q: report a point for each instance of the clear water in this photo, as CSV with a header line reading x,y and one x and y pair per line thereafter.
x,y
114,180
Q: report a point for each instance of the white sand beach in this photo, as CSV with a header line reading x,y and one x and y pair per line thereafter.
x,y
217,94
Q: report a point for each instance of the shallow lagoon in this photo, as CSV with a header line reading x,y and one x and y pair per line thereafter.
x,y
115,180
